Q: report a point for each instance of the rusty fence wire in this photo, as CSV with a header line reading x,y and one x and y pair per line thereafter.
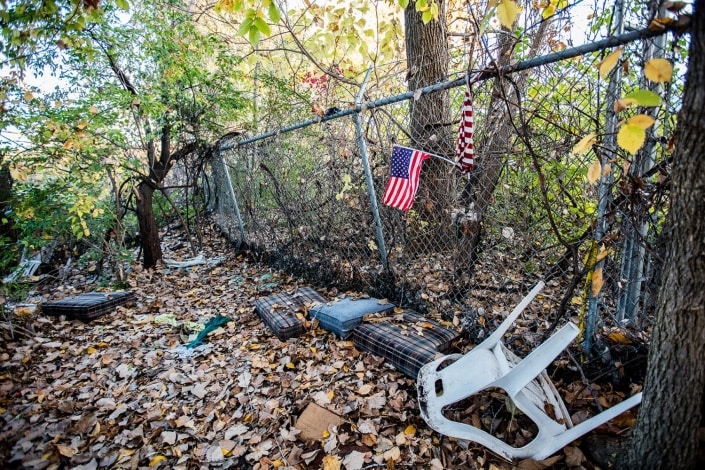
x,y
298,196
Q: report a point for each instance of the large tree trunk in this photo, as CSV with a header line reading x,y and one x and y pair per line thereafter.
x,y
666,435
149,232
7,229
427,63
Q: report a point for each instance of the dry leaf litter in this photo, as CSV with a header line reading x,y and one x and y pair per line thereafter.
x,y
123,391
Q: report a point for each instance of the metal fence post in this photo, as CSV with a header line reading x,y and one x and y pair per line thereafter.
x,y
368,171
240,224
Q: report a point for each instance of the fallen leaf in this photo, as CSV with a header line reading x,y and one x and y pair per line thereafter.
x,y
331,462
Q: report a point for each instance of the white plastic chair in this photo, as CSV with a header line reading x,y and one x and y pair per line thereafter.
x,y
526,382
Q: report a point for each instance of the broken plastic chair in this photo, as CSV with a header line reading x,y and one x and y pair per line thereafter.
x,y
454,377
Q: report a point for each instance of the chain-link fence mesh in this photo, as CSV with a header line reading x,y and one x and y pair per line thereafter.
x,y
529,210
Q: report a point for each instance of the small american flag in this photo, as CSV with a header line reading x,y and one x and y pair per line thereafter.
x,y
404,177
465,150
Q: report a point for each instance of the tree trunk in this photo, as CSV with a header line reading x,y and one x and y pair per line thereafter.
x,y
666,435
149,232
8,233
427,63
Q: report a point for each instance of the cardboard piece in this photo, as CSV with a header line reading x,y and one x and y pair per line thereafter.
x,y
314,420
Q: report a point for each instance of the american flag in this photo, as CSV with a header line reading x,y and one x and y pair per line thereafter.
x,y
465,150
404,177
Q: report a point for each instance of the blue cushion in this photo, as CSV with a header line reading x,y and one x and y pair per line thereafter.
x,y
342,315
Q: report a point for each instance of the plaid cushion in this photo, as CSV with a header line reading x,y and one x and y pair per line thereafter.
x,y
342,315
407,353
278,311
438,335
89,305
406,341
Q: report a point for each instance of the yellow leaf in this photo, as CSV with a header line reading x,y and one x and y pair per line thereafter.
x,y
82,125
604,252
658,70
156,459
617,337
623,103
325,434
507,11
331,462
584,145
365,389
410,430
642,120
609,63
594,171
290,365
596,281
330,394
631,137
28,96
90,350
93,110
66,451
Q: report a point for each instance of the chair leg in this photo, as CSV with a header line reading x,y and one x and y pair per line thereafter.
x,y
533,364
578,430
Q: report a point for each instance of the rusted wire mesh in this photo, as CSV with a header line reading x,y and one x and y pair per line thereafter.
x,y
528,210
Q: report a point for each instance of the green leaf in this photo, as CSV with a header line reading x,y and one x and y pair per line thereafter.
x,y
254,36
274,13
403,3
245,27
644,98
426,17
122,4
262,26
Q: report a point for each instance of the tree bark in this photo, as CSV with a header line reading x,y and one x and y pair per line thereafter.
x,y
7,229
427,60
149,232
666,434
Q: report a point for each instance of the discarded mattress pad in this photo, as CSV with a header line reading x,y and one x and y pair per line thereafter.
x,y
88,306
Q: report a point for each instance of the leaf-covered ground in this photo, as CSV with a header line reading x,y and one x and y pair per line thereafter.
x,y
123,392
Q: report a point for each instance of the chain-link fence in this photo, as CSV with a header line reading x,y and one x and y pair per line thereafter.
x,y
307,198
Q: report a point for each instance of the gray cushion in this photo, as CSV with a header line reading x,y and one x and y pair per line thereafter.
x,y
342,315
